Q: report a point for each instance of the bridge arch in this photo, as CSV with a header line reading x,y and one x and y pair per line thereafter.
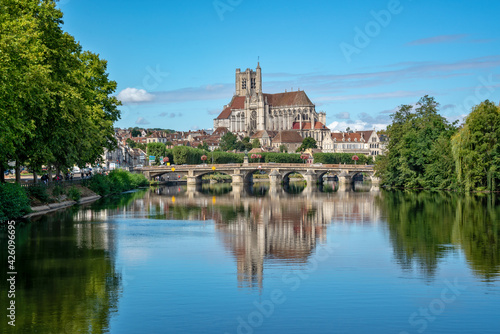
x,y
286,175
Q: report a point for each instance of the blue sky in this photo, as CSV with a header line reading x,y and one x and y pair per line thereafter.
x,y
174,61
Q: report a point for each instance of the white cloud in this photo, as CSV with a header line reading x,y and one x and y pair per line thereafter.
x,y
134,95
141,121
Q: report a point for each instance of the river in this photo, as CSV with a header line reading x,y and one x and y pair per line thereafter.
x,y
223,259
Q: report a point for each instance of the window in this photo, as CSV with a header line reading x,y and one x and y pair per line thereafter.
x,y
252,83
243,83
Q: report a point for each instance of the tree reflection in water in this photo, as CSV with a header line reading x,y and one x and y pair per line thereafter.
x,y
70,284
426,226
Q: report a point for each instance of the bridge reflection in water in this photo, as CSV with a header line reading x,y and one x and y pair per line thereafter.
x,y
261,224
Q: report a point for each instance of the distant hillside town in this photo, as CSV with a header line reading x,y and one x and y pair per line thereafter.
x,y
277,122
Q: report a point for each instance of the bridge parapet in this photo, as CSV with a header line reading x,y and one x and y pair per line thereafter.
x,y
277,172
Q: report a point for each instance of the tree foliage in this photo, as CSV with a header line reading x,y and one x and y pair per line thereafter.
x,y
256,143
308,142
476,149
228,142
417,156
157,150
56,103
341,158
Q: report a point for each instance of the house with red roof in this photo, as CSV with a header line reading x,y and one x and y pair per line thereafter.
x,y
357,142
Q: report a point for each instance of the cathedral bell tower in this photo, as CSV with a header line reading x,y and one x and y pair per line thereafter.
x,y
248,82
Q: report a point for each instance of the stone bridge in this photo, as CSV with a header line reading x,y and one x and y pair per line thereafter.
x,y
243,173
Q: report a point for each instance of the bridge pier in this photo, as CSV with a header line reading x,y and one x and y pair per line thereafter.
x,y
193,180
237,178
274,177
310,177
344,178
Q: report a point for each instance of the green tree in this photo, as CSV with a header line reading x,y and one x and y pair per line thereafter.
x,y
131,143
256,143
308,142
156,149
416,156
136,132
203,146
476,148
228,142
283,149
67,111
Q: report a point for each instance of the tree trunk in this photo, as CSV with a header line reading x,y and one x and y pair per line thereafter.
x,y
18,172
2,174
35,177
49,171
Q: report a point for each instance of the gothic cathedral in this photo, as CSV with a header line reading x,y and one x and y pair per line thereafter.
x,y
251,111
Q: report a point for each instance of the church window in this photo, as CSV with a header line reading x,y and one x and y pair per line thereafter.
x,y
252,83
243,83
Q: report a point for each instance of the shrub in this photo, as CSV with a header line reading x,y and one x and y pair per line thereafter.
x,y
57,190
225,157
14,201
140,180
341,158
117,181
38,192
286,158
74,193
100,184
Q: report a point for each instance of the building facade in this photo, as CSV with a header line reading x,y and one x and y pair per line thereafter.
x,y
358,142
251,110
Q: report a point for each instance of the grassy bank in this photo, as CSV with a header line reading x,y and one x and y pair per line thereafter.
x,y
116,182
16,201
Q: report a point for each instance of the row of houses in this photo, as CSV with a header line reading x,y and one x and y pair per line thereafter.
x,y
359,142
368,142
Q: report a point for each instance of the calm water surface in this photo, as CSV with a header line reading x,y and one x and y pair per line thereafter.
x,y
223,259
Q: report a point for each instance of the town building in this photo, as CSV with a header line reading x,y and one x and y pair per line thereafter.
x,y
251,110
358,142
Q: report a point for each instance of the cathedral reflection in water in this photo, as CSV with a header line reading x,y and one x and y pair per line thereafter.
x,y
257,224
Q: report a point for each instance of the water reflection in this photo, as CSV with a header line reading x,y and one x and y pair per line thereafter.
x,y
425,227
259,224
67,281
70,283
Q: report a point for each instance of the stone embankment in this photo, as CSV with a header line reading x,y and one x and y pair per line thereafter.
x,y
43,209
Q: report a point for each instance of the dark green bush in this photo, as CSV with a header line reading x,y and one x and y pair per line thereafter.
x,y
116,182
225,157
58,190
14,201
284,158
38,192
341,158
100,184
74,193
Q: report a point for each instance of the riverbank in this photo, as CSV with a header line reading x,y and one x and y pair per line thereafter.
x,y
43,209
17,201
